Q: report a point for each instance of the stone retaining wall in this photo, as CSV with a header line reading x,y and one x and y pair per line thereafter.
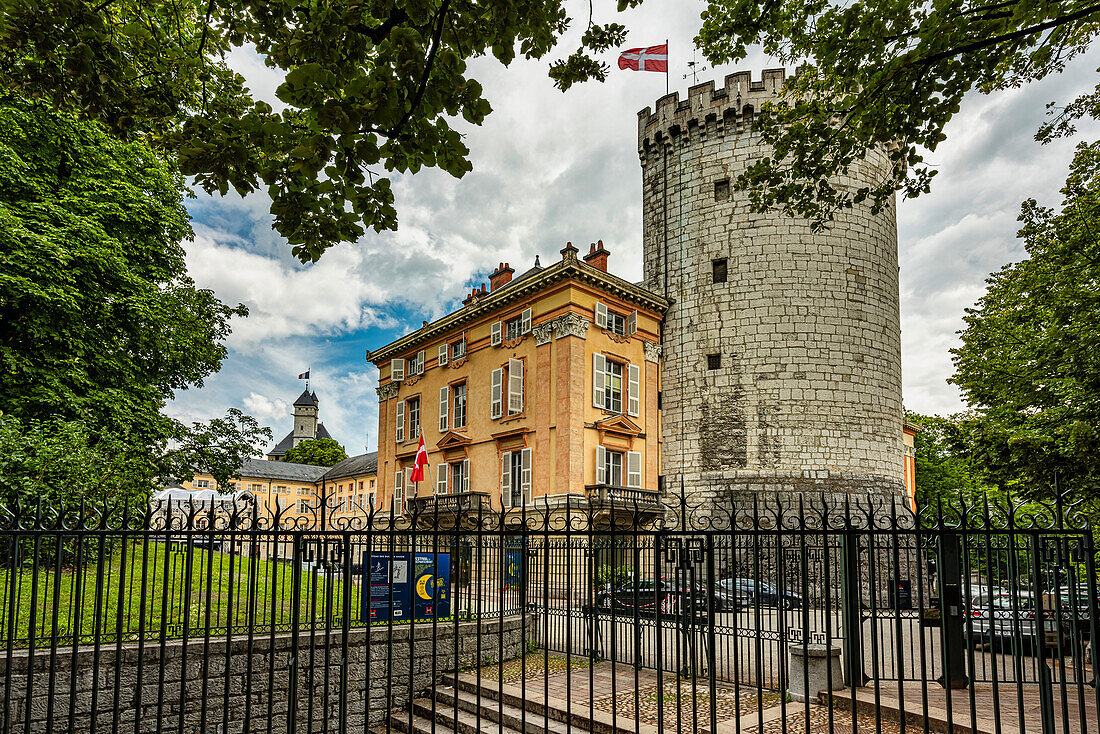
x,y
241,685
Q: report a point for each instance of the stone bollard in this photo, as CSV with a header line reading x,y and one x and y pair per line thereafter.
x,y
809,670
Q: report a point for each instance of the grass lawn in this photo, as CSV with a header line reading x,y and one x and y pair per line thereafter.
x,y
153,589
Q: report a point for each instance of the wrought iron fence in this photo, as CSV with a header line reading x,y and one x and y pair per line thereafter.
x,y
609,615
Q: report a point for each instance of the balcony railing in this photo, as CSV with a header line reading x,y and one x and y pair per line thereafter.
x,y
462,502
626,497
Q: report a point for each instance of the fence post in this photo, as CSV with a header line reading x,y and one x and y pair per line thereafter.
x,y
851,621
1039,646
295,619
949,575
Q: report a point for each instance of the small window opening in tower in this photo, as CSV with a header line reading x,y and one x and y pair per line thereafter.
x,y
722,190
714,361
718,270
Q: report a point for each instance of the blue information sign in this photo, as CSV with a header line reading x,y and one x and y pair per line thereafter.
x,y
406,585
431,585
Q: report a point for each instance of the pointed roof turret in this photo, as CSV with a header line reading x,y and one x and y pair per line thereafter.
x,y
306,398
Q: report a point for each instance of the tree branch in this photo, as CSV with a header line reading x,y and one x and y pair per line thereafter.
x,y
1005,37
441,16
377,34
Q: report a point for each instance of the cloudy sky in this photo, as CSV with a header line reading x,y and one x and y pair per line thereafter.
x,y
549,168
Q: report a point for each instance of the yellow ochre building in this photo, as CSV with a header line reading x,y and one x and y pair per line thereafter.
x,y
539,392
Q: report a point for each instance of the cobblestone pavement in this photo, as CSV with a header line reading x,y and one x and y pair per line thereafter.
x,y
820,723
644,705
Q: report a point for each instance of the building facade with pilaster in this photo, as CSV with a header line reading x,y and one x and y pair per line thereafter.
x,y
541,392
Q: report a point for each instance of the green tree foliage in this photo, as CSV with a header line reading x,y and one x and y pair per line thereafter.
x,y
59,461
1029,364
364,83
98,319
99,323
942,465
317,452
882,73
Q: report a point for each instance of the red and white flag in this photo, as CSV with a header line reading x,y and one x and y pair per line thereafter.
x,y
654,58
417,473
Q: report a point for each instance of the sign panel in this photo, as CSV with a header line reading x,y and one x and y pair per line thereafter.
x,y
404,586
432,585
386,586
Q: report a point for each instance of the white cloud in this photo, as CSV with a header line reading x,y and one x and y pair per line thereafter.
x,y
265,409
549,168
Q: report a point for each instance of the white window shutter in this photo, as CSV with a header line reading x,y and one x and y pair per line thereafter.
x,y
399,490
498,328
420,362
506,479
495,397
397,370
632,324
401,420
599,379
515,386
443,349
465,477
634,390
601,465
634,469
525,321
441,472
525,474
601,314
444,403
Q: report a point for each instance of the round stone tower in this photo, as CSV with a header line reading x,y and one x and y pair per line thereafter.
x,y
782,349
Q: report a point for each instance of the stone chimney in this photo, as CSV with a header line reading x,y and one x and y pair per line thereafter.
x,y
475,294
597,256
500,276
569,252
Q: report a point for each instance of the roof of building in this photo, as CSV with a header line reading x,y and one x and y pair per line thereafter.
x,y
288,441
306,398
264,469
199,497
527,283
354,466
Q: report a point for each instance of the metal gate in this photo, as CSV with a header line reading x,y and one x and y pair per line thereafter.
x,y
804,614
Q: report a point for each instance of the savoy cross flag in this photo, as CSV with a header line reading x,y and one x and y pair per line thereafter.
x,y
654,58
417,474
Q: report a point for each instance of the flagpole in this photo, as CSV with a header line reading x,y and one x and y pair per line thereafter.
x,y
667,62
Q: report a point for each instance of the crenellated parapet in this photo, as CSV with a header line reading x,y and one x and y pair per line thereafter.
x,y
709,111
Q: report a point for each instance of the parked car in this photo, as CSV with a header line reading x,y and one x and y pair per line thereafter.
x,y
751,591
1007,617
644,596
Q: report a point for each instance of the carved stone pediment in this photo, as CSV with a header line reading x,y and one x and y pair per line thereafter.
x,y
570,324
652,351
543,332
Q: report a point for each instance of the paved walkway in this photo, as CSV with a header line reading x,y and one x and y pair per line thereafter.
x,y
635,700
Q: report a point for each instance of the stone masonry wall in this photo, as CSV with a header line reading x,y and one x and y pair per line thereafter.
x,y
807,326
258,675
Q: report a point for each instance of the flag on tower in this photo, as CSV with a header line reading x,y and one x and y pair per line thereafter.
x,y
417,474
654,58
304,375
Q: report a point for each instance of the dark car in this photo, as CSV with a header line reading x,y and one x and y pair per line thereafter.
x,y
644,596
751,591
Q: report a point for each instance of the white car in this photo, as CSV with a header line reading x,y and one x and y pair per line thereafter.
x,y
1006,617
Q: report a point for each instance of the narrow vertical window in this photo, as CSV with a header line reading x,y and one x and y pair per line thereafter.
x,y
718,270
722,190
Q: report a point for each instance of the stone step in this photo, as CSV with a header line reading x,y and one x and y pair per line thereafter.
x,y
499,712
465,721
537,708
